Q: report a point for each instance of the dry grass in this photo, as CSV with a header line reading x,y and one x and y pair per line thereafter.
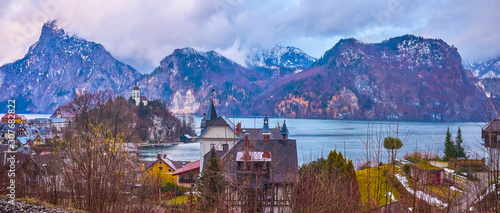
x,y
377,186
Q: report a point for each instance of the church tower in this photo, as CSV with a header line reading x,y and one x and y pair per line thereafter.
x,y
136,95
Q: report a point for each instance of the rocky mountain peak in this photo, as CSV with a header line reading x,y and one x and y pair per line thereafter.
x,y
57,66
278,56
51,30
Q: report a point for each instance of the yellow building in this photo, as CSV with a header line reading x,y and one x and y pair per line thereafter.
x,y
162,169
38,141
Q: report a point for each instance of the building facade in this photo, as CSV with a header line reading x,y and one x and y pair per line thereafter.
x,y
136,95
260,164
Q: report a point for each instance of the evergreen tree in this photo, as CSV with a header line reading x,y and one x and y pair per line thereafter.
x,y
449,147
211,184
459,149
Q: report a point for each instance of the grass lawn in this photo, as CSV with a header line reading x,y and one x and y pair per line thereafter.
x,y
376,185
426,165
183,199
443,191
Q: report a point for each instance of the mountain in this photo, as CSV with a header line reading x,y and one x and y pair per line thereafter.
x,y
56,67
279,61
405,77
185,79
487,69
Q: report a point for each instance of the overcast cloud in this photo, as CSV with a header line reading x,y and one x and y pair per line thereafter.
x,y
141,33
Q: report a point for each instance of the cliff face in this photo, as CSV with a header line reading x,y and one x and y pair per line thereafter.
x,y
58,66
407,77
186,77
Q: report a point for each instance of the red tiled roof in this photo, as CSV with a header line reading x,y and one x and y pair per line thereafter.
x,y
5,118
188,167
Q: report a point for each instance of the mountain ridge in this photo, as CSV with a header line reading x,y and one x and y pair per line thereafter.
x,y
407,77
63,65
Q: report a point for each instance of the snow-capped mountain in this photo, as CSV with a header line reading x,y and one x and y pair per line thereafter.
x,y
279,60
56,67
487,69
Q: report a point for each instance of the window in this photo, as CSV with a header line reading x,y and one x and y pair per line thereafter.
x,y
160,162
169,170
160,168
225,147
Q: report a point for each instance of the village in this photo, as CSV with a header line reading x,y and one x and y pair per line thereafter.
x,y
240,170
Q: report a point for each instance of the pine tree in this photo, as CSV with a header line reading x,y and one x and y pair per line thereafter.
x,y
211,184
449,147
459,149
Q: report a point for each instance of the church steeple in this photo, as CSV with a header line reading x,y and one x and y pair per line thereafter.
x,y
212,114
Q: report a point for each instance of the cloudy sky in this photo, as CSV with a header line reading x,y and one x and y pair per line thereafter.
x,y
142,32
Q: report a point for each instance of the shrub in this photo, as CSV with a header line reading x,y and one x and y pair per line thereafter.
x,y
414,157
406,169
175,189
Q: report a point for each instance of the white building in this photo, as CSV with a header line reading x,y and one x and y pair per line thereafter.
x,y
136,95
217,132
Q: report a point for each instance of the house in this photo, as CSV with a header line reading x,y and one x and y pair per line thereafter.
x,y
427,174
260,162
490,136
59,124
40,123
63,112
19,129
162,170
218,132
136,95
188,175
18,119
38,141
263,164
186,138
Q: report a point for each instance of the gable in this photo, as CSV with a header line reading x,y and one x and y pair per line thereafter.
x,y
38,141
161,163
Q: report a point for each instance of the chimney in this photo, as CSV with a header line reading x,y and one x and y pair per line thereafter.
x,y
159,156
238,129
247,142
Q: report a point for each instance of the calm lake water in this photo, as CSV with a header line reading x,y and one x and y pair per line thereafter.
x,y
317,137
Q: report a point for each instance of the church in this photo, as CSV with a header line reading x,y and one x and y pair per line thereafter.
x,y
136,95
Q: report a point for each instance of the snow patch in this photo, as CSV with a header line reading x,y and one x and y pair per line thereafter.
x,y
421,195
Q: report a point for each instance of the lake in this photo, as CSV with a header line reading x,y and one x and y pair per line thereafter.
x,y
317,137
